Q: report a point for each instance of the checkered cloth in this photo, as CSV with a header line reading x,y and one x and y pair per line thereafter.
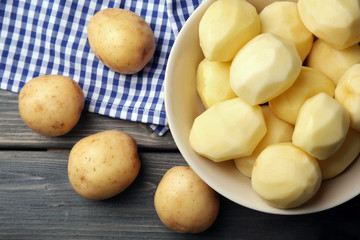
x,y
49,37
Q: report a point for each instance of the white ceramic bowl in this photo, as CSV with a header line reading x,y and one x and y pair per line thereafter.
x,y
183,105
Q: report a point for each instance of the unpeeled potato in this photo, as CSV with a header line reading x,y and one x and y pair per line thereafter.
x,y
103,165
184,202
51,104
121,39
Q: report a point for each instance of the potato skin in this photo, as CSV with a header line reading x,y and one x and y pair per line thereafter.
x,y
121,39
103,165
51,104
184,202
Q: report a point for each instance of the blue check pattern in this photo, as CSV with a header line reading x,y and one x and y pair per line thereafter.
x,y
49,37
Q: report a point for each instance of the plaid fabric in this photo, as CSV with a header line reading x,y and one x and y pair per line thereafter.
x,y
49,37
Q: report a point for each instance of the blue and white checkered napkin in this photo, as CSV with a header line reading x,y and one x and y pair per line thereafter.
x,y
50,37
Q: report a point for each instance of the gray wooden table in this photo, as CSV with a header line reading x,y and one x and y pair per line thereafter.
x,y
37,201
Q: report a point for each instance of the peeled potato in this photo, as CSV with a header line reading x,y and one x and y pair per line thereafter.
x,y
343,157
103,165
277,131
51,104
184,202
213,83
321,126
227,130
347,92
285,176
282,19
331,61
309,83
121,39
225,27
335,22
264,68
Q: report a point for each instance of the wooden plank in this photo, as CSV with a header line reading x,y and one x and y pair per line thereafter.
x,y
15,134
37,202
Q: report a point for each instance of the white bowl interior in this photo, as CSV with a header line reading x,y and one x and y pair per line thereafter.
x,y
183,105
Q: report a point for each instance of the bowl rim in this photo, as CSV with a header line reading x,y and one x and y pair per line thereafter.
x,y
182,149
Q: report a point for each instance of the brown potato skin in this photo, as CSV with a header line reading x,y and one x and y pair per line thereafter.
x,y
184,202
121,39
51,104
103,165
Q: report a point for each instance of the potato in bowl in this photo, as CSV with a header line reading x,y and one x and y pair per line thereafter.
x,y
183,105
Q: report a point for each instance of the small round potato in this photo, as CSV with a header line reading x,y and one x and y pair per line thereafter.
x,y
121,39
184,202
103,164
51,104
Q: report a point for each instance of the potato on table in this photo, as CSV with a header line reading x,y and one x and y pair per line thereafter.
x,y
184,202
51,104
103,165
121,39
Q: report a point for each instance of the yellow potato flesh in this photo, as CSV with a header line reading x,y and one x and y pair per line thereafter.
x,y
227,130
335,22
285,176
264,68
343,157
347,92
282,19
309,83
225,27
277,131
331,61
321,126
212,82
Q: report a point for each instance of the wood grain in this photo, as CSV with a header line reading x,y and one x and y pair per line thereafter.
x,y
15,134
37,202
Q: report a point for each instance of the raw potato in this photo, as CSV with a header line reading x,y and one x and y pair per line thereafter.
x,y
342,158
264,68
285,176
213,83
335,22
321,126
121,39
225,27
103,165
309,83
282,19
277,131
331,61
347,92
184,202
228,130
51,104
